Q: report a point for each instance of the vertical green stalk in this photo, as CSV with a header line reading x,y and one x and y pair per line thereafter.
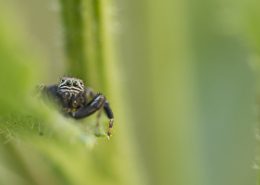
x,y
90,55
94,43
100,60
82,25
73,37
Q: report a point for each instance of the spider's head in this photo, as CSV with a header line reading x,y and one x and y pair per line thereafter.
x,y
71,86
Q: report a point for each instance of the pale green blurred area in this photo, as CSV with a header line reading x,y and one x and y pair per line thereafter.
x,y
183,90
192,88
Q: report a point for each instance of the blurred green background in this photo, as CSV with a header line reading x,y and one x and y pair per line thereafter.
x,y
181,76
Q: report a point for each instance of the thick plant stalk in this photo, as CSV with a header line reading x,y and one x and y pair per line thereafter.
x,y
95,62
73,37
82,26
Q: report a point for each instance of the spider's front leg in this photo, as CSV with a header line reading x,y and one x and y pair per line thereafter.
x,y
110,116
90,108
98,102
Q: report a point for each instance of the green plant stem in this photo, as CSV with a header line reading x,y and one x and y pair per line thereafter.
x,y
84,46
73,37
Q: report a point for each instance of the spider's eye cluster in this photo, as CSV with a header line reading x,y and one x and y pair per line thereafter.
x,y
71,82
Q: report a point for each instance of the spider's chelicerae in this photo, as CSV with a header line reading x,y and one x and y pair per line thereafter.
x,y
78,101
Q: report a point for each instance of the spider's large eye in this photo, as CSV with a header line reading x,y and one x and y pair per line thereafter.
x,y
68,83
62,80
75,84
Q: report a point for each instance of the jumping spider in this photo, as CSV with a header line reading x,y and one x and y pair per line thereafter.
x,y
78,101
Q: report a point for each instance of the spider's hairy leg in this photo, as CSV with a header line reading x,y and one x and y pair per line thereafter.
x,y
96,104
110,116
